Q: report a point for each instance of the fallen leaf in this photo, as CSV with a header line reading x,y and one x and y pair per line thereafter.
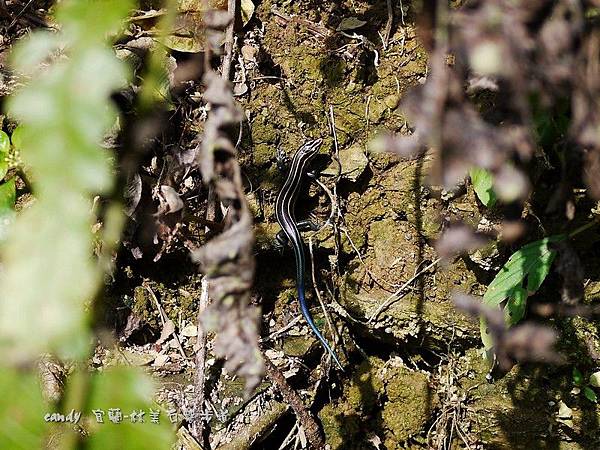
x,y
350,23
247,7
167,331
160,360
564,412
239,89
249,53
190,331
170,201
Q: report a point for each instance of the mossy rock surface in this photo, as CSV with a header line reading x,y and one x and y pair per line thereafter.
x,y
389,401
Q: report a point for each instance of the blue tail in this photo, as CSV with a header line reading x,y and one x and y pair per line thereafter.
x,y
311,323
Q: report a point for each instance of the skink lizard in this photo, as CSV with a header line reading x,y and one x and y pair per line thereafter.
x,y
284,210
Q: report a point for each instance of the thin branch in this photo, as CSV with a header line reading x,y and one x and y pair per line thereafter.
x,y
196,427
228,46
396,295
164,318
389,24
291,397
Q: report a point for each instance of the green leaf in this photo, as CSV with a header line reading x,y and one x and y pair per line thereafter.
x,y
4,143
533,261
30,54
8,197
66,111
590,394
515,306
17,137
22,410
4,149
483,181
129,390
486,338
577,376
531,264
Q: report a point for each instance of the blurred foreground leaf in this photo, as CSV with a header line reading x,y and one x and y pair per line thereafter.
x,y
130,391
483,182
49,270
22,410
4,150
8,196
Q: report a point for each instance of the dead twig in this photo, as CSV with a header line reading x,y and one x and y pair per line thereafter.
x,y
197,423
396,295
389,24
291,397
279,332
228,45
164,318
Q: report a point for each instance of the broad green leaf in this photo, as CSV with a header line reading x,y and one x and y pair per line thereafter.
x,y
4,149
483,181
577,376
22,410
531,264
129,390
16,138
486,337
4,143
590,394
89,22
515,306
49,272
532,261
8,197
31,53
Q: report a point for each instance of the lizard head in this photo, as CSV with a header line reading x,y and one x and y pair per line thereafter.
x,y
310,148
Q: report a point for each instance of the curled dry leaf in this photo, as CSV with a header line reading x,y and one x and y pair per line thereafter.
x,y
518,50
166,332
227,260
169,199
407,147
447,122
133,194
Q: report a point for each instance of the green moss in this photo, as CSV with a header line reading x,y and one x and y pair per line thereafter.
x,y
144,308
339,426
344,421
263,130
178,303
408,406
379,398
265,234
263,154
298,346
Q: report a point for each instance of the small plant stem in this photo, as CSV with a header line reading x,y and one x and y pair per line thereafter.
x,y
585,227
